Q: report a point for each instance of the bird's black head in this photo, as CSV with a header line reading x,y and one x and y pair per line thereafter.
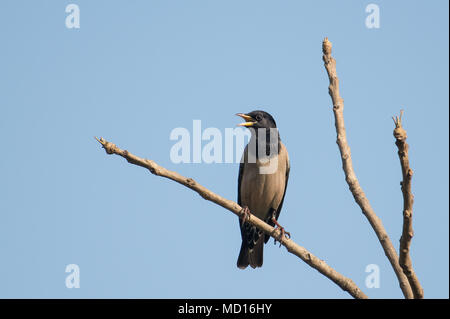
x,y
258,119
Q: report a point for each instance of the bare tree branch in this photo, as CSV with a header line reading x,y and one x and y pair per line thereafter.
x,y
345,283
408,201
350,176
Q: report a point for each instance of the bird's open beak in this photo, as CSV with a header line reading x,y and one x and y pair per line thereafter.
x,y
250,121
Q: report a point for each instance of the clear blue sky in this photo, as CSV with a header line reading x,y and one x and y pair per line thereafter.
x,y
135,70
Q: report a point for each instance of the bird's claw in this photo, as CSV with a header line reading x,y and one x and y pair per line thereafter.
x,y
283,233
245,215
287,234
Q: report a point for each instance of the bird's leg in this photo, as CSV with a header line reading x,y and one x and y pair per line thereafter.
x,y
245,215
283,233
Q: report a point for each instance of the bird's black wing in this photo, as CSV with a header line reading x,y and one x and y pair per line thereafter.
x,y
249,233
241,173
282,200
251,252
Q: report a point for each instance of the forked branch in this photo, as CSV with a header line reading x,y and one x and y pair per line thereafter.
x,y
350,176
408,201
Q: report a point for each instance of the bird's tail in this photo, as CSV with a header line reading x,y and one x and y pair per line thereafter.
x,y
253,256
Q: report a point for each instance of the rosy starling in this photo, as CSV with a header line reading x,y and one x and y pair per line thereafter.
x,y
261,185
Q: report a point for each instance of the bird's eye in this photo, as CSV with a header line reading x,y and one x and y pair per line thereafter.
x,y
258,117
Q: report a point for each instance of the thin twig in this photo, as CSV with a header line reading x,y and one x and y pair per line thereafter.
x,y
408,201
345,283
350,176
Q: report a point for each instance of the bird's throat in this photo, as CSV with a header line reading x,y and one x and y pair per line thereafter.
x,y
271,143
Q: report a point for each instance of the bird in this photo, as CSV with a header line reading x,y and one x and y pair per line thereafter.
x,y
260,192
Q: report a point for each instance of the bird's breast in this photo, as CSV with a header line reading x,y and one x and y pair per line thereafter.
x,y
261,191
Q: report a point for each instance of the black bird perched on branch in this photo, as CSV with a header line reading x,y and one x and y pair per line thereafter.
x,y
262,182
